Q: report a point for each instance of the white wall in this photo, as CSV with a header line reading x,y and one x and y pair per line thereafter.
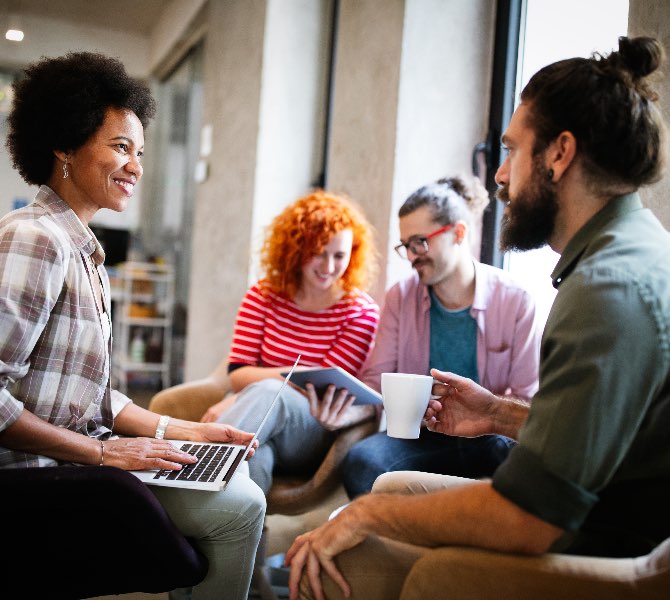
x,y
411,101
292,115
443,102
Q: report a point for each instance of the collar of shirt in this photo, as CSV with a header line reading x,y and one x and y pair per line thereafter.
x,y
482,291
62,212
616,207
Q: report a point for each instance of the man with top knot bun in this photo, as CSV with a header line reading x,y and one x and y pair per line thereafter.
x,y
590,474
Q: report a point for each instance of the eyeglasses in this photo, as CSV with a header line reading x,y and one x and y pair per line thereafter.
x,y
418,244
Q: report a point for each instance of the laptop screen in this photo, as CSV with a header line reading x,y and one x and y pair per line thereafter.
x,y
267,414
217,462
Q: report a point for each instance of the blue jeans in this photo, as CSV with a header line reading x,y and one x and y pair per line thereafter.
x,y
292,442
432,453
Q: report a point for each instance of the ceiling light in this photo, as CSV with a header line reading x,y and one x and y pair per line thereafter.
x,y
14,35
14,23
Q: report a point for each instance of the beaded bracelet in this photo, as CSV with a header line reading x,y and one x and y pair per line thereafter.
x,y
102,453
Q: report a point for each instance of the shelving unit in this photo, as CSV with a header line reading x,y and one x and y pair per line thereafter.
x,y
143,303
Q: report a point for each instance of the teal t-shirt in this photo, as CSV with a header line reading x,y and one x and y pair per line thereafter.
x,y
453,340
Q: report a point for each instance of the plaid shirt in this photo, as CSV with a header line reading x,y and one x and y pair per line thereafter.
x,y
54,360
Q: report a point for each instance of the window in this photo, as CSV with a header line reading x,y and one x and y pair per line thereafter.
x,y
552,31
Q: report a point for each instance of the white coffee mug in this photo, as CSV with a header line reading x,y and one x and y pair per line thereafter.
x,y
406,399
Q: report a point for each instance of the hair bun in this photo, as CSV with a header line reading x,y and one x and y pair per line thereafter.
x,y
640,56
470,189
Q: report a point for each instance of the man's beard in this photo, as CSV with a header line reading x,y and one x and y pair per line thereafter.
x,y
530,218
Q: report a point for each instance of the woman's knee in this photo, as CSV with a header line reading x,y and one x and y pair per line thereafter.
x,y
255,506
215,515
243,497
241,511
265,388
251,404
247,497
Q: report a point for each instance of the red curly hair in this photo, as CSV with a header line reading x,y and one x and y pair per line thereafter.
x,y
303,229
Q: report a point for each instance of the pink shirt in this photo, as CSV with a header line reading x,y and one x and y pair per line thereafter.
x,y
508,336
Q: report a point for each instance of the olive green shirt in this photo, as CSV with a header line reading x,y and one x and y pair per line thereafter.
x,y
593,456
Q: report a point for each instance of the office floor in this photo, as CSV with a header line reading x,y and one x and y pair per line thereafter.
x,y
282,529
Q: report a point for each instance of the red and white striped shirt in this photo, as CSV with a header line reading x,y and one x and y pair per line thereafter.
x,y
271,330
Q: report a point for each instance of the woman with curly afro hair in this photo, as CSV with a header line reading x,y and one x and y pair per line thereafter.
x,y
318,258
76,130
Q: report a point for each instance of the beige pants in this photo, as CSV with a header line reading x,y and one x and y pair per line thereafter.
x,y
377,568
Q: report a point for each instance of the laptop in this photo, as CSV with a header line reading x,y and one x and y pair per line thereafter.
x,y
217,463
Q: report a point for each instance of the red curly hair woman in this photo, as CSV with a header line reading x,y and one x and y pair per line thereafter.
x,y
318,258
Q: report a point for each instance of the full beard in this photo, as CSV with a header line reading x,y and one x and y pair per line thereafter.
x,y
530,218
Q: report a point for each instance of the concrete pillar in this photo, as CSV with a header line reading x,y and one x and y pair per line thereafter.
x,y
265,80
365,109
224,202
292,110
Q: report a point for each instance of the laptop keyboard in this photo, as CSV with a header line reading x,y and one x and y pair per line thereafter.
x,y
211,459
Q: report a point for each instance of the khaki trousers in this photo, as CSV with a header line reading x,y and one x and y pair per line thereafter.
x,y
377,568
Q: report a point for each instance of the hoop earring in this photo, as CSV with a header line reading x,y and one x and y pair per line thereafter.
x,y
66,174
550,174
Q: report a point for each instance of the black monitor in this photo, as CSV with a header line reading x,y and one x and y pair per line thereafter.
x,y
114,242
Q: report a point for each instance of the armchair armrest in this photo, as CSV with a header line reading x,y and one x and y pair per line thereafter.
x,y
297,495
190,400
482,574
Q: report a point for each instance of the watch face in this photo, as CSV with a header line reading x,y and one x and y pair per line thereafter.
x,y
162,426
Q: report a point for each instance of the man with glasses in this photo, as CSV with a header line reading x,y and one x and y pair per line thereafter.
x,y
454,314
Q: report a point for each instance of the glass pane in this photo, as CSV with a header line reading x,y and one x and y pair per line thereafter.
x,y
167,229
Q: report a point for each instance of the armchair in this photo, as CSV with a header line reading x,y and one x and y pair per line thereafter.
x,y
483,575
80,532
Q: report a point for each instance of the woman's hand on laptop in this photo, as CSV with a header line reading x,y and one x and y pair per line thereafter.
x,y
140,453
225,434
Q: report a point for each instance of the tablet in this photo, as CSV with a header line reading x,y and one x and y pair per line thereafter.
x,y
322,377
